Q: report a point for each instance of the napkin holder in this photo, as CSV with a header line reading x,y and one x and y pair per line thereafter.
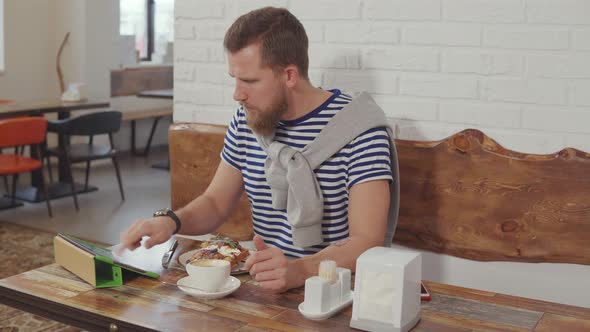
x,y
387,290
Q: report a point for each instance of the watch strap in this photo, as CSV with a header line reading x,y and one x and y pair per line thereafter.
x,y
172,215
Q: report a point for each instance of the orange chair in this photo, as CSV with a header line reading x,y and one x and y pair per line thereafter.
x,y
20,132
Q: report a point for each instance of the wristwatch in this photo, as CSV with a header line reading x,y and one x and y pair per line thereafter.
x,y
169,213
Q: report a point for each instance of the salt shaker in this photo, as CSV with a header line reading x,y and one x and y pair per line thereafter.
x,y
327,293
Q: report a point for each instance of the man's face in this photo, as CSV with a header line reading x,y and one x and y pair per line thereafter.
x,y
259,89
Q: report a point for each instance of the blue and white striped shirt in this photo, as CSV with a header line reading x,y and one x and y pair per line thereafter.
x,y
365,158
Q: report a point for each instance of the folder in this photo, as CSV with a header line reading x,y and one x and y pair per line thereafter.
x,y
92,263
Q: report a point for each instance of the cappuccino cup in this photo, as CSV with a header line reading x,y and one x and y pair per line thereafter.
x,y
208,274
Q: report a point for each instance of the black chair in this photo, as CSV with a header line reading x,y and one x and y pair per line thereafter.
x,y
89,125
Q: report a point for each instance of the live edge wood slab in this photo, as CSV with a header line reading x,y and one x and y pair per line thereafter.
x,y
465,195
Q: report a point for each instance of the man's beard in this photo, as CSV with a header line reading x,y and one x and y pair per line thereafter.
x,y
264,122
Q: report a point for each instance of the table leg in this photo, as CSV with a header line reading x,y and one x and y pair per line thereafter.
x,y
6,203
164,164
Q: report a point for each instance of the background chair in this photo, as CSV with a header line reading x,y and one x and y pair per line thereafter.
x,y
18,133
89,125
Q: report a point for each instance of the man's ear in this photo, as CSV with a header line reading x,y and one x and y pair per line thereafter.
x,y
291,75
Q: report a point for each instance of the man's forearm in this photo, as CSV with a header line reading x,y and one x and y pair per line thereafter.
x,y
344,254
200,216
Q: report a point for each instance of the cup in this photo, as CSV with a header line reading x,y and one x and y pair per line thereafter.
x,y
208,274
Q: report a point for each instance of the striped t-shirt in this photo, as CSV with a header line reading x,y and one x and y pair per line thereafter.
x,y
364,159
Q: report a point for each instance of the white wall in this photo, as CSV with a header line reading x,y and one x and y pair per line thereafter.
x,y
517,69
91,53
29,39
1,35
33,33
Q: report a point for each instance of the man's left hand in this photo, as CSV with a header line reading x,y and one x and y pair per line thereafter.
x,y
270,268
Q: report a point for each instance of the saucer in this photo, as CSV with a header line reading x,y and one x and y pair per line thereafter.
x,y
230,286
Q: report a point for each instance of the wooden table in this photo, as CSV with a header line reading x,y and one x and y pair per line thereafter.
x,y
144,304
38,108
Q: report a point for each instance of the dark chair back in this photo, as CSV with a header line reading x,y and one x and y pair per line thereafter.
x,y
90,124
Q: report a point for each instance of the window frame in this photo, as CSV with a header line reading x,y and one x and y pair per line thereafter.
x,y
148,37
2,41
151,21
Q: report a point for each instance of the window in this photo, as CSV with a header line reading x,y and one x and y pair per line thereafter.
x,y
1,35
152,24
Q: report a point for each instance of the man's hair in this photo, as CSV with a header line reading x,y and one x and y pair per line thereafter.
x,y
282,38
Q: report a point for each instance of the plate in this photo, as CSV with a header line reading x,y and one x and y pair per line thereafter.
x,y
325,314
185,257
230,286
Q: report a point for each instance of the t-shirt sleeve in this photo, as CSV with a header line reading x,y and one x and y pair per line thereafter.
x,y
369,157
232,147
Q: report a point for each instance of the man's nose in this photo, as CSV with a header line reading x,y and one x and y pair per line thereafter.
x,y
239,94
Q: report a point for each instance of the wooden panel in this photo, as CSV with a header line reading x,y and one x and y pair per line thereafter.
x,y
131,81
194,156
464,196
147,304
550,323
508,300
141,310
469,197
473,324
254,321
335,323
425,325
505,315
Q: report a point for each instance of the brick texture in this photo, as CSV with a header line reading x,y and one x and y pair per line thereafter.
x,y
516,69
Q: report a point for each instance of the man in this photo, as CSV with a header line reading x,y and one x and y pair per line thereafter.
x,y
267,56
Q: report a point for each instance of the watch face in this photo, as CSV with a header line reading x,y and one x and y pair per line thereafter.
x,y
161,213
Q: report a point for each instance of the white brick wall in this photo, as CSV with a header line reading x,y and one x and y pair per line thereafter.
x,y
517,69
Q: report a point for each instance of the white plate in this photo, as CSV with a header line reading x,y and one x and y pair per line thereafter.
x,y
230,286
185,257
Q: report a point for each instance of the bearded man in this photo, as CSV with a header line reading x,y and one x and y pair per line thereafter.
x,y
315,193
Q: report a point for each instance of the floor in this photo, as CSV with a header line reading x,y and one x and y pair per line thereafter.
x,y
103,215
23,249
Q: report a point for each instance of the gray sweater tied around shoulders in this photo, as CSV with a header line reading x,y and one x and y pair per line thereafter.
x,y
290,175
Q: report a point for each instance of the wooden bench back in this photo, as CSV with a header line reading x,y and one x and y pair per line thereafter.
x,y
131,81
464,196
194,156
469,197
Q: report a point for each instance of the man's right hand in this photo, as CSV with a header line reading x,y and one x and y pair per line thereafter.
x,y
158,229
